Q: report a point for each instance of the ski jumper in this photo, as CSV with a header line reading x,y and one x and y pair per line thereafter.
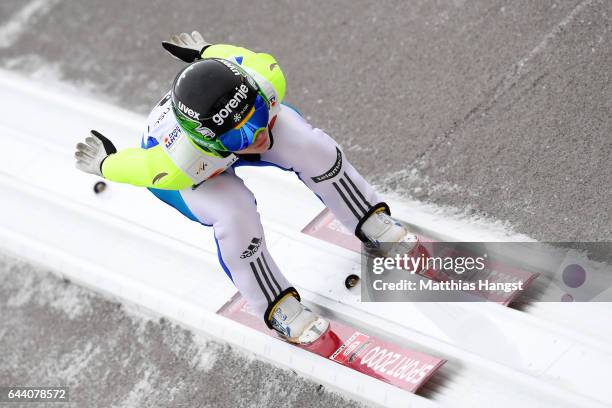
x,y
171,166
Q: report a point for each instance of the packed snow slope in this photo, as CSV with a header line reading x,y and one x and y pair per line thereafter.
x,y
59,333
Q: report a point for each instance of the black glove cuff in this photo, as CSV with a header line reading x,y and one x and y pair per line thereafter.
x,y
109,147
204,49
184,54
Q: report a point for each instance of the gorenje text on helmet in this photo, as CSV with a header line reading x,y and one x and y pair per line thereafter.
x,y
241,94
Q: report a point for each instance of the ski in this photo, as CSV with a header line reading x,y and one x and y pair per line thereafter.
x,y
342,344
327,228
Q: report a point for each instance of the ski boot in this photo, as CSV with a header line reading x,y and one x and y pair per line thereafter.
x,y
380,228
295,323
392,238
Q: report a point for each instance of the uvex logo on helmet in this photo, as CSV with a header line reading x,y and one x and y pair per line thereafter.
x,y
188,111
240,95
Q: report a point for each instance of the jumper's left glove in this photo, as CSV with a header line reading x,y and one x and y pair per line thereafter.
x,y
186,47
91,154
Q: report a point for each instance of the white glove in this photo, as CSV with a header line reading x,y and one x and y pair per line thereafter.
x,y
91,154
186,47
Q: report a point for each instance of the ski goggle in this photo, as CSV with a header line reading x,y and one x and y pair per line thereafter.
x,y
245,132
238,138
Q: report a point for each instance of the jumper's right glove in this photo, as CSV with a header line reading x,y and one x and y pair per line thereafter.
x,y
91,154
186,47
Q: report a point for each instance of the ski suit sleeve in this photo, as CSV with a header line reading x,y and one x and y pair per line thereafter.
x,y
145,168
264,64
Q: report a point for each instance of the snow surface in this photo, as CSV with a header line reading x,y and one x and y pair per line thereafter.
x,y
496,355
12,29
